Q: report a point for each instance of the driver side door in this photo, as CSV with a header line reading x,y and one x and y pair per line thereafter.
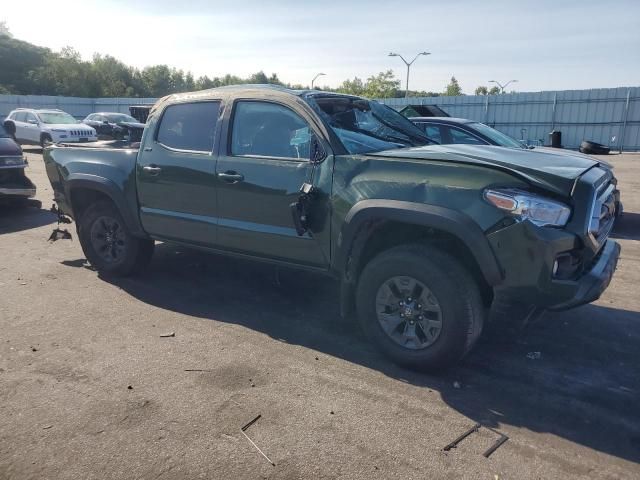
x,y
259,174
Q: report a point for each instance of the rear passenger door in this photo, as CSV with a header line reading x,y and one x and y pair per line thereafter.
x,y
265,162
31,128
176,174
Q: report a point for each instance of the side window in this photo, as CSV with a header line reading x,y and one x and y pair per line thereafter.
x,y
460,136
189,126
20,117
432,132
268,130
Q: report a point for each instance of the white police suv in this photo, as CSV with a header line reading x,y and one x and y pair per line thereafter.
x,y
41,127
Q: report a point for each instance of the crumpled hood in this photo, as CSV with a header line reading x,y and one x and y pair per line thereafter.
x,y
541,168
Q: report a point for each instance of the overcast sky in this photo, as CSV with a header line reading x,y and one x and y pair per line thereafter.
x,y
545,44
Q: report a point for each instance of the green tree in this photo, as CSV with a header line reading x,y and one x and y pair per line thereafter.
x,y
495,90
4,30
482,90
382,85
453,89
352,87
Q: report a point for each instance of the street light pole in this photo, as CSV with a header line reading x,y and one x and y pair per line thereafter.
x,y
314,79
408,64
502,87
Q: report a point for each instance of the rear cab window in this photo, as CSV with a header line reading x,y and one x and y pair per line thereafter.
x,y
189,126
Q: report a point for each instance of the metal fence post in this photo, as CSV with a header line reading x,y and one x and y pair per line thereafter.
x,y
553,111
486,109
624,122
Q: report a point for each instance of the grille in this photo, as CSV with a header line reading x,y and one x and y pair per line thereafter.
x,y
602,213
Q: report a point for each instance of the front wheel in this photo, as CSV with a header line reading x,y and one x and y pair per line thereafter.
x,y
108,244
419,306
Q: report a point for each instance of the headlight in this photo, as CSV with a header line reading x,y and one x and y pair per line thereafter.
x,y
539,210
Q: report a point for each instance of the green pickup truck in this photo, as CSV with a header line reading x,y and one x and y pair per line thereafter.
x,y
423,238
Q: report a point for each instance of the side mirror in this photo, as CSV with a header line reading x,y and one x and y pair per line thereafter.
x,y
317,153
32,121
10,127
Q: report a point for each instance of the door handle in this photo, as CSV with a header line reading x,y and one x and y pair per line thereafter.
x,y
231,177
152,169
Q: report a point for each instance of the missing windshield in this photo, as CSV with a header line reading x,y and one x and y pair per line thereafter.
x,y
365,125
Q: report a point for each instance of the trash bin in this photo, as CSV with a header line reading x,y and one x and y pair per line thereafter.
x,y
555,139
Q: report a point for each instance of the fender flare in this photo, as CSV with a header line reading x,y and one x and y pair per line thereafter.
x,y
111,190
445,219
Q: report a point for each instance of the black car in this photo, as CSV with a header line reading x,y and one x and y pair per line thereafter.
x,y
14,184
449,130
110,125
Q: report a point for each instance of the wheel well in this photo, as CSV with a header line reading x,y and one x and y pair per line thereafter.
x,y
377,236
81,198
44,135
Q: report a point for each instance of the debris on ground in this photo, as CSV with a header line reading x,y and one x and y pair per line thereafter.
x,y
167,335
457,384
47,427
129,387
244,429
59,234
534,355
502,439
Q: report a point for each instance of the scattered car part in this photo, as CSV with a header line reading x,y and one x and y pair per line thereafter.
x,y
593,148
455,443
244,429
58,234
503,438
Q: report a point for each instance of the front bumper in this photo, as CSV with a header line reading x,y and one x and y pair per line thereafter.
x,y
591,285
14,183
62,138
527,254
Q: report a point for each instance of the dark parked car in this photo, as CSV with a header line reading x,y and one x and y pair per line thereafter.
x,y
14,184
116,126
449,130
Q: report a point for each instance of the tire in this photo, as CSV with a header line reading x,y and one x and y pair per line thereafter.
x,y
458,306
593,148
108,244
45,140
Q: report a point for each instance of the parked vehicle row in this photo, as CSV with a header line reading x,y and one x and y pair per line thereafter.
x,y
42,127
422,237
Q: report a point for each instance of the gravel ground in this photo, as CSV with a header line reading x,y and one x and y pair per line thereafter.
x,y
90,388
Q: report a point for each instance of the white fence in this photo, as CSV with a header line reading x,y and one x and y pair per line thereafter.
x,y
607,116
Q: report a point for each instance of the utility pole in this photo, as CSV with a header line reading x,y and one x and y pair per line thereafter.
x,y
408,64
315,78
502,87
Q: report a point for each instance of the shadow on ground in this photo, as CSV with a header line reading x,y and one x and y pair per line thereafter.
x,y
583,387
627,226
17,218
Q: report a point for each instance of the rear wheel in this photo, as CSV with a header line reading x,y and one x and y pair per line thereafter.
x,y
108,244
420,307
